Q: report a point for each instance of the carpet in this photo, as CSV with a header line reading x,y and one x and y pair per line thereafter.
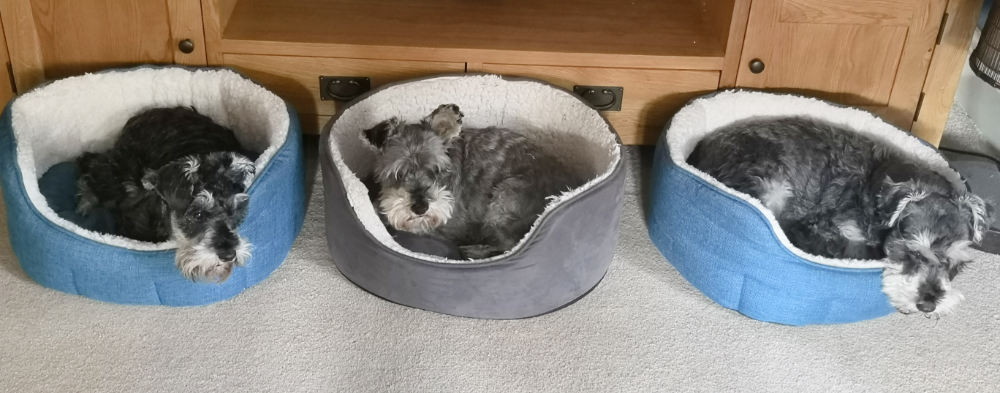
x,y
642,329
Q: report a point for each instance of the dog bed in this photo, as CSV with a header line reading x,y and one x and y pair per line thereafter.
x,y
565,254
48,127
730,247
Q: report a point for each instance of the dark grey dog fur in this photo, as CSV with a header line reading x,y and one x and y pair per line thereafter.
x,y
481,189
840,194
175,174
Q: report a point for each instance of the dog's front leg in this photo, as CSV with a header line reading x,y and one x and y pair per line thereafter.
x,y
479,251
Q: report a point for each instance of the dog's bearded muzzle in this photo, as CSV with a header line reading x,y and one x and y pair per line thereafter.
x,y
924,288
417,212
212,256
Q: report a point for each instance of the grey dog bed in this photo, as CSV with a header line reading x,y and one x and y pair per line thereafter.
x,y
567,251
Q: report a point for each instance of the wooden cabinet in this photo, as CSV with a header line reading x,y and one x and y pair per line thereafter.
x,y
296,78
661,52
896,58
650,97
50,39
872,54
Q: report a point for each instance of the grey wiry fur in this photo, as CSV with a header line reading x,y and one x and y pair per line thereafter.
x,y
175,174
839,194
479,188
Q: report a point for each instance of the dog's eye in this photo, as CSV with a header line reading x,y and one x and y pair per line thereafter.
x,y
199,216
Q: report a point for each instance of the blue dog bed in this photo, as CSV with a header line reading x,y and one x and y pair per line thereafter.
x,y
731,248
44,130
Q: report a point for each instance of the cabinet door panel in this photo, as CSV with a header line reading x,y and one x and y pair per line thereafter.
x,y
850,12
51,39
871,53
855,66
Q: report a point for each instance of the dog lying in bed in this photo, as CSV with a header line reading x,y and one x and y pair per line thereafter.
x,y
175,174
839,194
480,189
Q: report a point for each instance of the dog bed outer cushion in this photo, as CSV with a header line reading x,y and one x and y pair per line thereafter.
x,y
730,249
565,255
64,260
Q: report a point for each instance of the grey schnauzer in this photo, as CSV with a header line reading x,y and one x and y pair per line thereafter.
x,y
175,174
481,189
840,194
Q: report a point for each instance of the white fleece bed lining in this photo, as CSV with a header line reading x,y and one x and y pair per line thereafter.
x,y
60,121
555,118
702,116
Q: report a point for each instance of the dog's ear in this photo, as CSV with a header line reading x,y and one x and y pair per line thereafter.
x,y
446,120
893,198
981,213
171,183
150,180
239,206
243,172
381,132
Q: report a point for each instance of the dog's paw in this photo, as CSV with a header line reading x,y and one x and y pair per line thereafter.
x,y
479,251
446,120
86,199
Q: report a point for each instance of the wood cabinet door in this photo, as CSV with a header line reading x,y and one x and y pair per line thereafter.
x,y
50,39
868,53
6,84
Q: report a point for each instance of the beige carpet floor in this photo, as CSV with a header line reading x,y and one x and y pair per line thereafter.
x,y
643,329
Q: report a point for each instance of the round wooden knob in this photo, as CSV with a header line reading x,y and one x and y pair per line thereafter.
x,y
186,46
756,66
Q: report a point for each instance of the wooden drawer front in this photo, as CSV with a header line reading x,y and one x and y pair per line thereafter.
x,y
296,79
650,97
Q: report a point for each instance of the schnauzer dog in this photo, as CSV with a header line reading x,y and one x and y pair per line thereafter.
x,y
839,194
175,174
481,189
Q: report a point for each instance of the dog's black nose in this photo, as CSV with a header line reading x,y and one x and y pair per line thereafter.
x,y
419,207
926,305
228,255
